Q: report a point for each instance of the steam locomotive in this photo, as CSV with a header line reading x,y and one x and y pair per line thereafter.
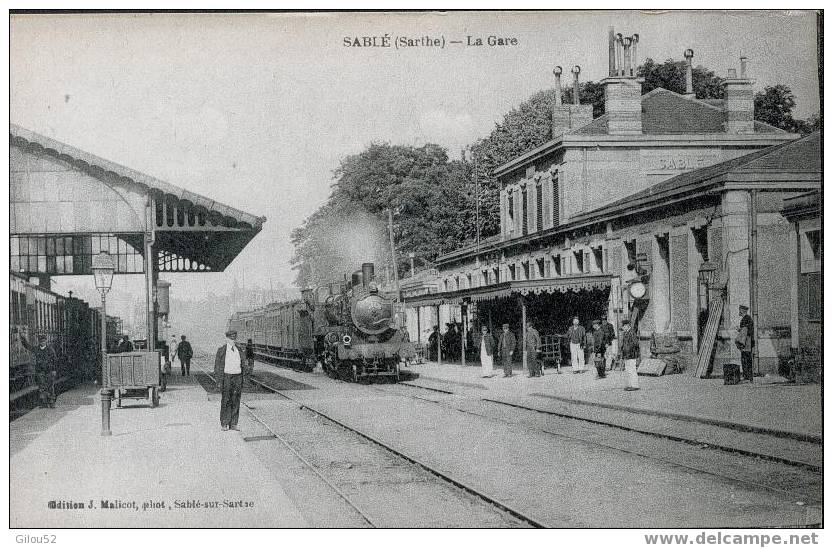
x,y
351,328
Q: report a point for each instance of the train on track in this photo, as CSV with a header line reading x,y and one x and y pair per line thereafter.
x,y
352,329
72,328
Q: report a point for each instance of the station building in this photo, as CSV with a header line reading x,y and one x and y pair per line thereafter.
x,y
689,191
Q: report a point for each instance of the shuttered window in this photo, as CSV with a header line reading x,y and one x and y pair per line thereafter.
x,y
525,212
555,219
539,207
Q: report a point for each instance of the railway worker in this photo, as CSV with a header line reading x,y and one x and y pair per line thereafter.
x,y
745,341
124,345
184,352
432,343
533,349
46,369
506,350
630,355
610,343
598,340
575,334
250,354
487,353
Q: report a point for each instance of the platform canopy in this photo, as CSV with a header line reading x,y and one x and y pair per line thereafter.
x,y
68,200
580,282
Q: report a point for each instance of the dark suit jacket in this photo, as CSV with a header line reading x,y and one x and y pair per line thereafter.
x,y
220,365
184,351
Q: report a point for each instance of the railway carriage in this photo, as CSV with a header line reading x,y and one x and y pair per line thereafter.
x,y
71,328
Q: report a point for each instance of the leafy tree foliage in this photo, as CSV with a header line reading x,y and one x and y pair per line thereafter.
x,y
774,106
671,76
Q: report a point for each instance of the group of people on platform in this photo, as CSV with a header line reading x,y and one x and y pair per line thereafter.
x,y
451,342
600,342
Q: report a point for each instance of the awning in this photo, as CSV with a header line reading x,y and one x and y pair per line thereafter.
x,y
582,282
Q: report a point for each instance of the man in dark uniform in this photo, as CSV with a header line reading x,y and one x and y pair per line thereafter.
x,y
598,338
46,369
745,341
533,350
184,352
432,343
506,349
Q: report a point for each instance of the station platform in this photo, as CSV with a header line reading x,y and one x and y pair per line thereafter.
x,y
770,405
163,467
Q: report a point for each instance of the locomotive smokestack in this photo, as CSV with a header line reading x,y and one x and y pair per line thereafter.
x,y
367,273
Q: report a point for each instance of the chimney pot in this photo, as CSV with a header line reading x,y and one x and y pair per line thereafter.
x,y
689,78
576,70
743,67
733,73
611,52
557,73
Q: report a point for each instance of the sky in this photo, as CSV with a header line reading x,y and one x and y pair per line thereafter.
x,y
256,110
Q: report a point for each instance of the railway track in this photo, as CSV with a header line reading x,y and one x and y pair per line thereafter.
x,y
365,515
786,477
644,454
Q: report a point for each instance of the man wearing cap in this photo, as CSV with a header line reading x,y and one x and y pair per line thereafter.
x,y
506,349
46,369
745,342
610,342
599,340
575,334
630,355
184,352
533,349
228,371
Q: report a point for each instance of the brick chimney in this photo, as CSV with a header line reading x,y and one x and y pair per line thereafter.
x,y
689,76
623,91
740,102
575,115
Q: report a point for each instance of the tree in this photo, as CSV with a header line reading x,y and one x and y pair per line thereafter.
x,y
429,198
671,76
774,106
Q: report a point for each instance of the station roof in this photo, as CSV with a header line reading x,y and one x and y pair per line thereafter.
x,y
210,246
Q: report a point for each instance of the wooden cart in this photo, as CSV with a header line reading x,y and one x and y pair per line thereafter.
x,y
133,375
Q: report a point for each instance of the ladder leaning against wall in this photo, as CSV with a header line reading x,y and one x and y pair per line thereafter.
x,y
718,286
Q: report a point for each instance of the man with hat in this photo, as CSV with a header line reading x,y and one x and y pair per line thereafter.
x,y
229,367
506,349
610,342
46,369
630,355
533,350
745,342
575,334
599,342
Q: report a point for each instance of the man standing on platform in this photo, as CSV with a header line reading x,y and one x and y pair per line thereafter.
x,y
184,352
46,369
533,348
575,334
610,343
599,339
228,372
745,342
506,349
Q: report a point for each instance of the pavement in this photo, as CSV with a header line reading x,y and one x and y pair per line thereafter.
x,y
770,405
169,466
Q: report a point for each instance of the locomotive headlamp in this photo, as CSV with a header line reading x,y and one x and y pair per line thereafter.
x,y
346,340
373,287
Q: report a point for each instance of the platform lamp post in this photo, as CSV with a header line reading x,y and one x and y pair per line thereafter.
x,y
103,269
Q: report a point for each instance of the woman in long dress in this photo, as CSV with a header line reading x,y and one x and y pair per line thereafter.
x,y
487,352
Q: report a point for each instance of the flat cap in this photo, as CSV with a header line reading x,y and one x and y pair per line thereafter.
x,y
231,332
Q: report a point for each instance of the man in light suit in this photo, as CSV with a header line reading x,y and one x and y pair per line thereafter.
x,y
229,368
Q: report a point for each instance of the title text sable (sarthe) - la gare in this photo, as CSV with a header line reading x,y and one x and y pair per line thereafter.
x,y
404,42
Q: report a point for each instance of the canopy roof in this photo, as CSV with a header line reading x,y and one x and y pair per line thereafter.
x,y
193,232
